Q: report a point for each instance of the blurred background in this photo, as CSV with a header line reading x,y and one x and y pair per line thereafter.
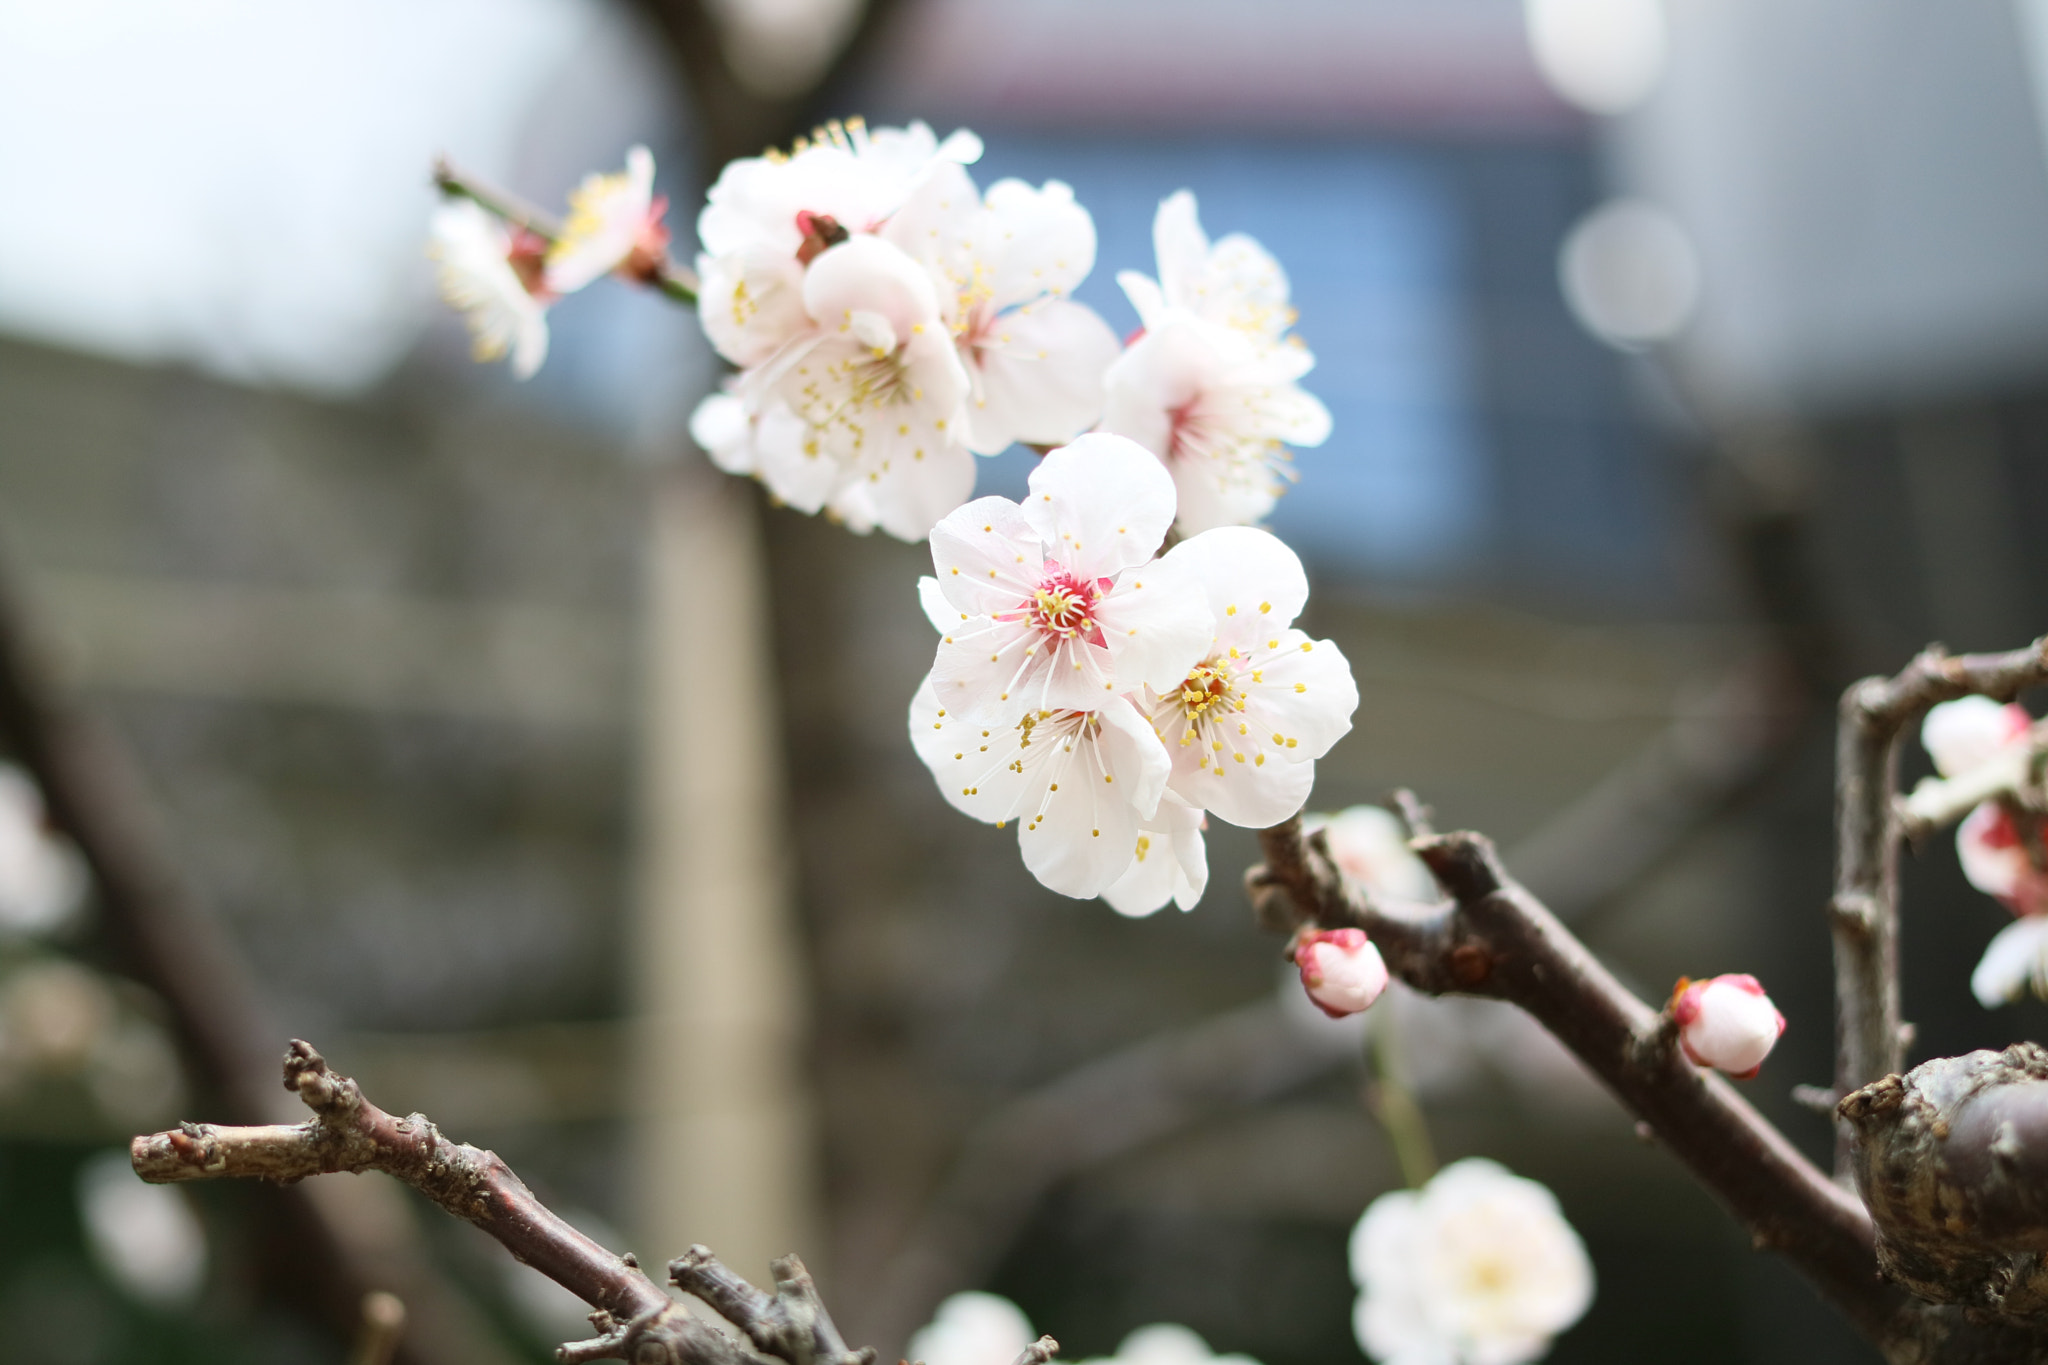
x,y
1689,359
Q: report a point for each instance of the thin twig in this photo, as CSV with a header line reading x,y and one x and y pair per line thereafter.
x,y
383,1324
1864,911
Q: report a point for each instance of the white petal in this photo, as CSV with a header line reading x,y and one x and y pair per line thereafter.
x,y
1992,860
1306,694
1963,733
971,762
1143,292
911,495
1171,863
1181,247
1041,372
1157,624
2015,961
937,609
1100,504
987,557
790,462
972,1329
1210,498
1254,583
720,426
1045,241
1081,841
865,274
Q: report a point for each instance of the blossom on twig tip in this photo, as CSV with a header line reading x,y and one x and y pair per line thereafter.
x,y
1726,1022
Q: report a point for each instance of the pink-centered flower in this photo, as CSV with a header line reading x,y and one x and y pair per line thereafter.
x,y
1005,265
1078,783
614,224
1263,701
1726,1022
490,274
1341,970
1065,608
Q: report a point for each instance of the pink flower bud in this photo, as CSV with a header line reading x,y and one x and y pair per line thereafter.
x,y
1341,970
1726,1022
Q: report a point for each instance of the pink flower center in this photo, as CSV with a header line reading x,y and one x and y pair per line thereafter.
x,y
1064,605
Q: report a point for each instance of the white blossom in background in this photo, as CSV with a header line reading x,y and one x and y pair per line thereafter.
x,y
1246,723
1167,1343
972,1329
1066,608
2001,850
1172,863
144,1237
614,223
1005,265
489,274
1370,847
1726,1022
1209,384
42,878
1341,970
1479,1267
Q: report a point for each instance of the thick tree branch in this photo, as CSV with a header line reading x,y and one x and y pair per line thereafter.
x,y
1864,912
1496,940
636,1319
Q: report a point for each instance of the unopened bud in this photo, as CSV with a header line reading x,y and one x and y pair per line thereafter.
x,y
1341,970
1726,1022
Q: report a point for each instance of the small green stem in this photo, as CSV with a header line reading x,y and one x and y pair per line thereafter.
x,y
1392,1101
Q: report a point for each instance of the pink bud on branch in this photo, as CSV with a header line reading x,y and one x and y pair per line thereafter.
x,y
1341,970
1726,1022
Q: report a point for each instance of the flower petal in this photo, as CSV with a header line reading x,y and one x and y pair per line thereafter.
x,y
1082,838
1255,584
1047,241
1157,625
987,556
2015,961
1171,864
1100,504
1041,370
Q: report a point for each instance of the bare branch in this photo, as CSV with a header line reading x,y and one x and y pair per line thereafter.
x,y
1864,912
1495,939
1038,1352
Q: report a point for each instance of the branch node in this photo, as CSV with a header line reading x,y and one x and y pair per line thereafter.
x,y
1855,911
1038,1352
1464,863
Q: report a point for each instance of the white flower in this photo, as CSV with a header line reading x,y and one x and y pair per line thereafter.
x,y
1341,970
1209,385
1036,359
1066,608
1172,863
1962,734
1996,859
879,384
480,264
1247,721
768,217
1235,281
1369,846
614,224
1726,1022
1167,1343
1478,1267
144,1236
2015,961
1077,782
972,1329
42,878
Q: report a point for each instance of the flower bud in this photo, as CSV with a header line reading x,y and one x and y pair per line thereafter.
x,y
1341,970
1726,1022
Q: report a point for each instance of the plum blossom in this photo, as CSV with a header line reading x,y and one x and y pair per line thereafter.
x,y
1209,385
1005,264
1078,783
1167,1343
1172,863
1341,970
972,1329
768,217
491,275
1248,719
42,878
1370,847
1065,607
614,224
1726,1022
145,1237
2002,849
1478,1267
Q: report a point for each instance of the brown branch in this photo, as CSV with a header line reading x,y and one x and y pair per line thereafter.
x,y
1864,911
1495,939
636,1319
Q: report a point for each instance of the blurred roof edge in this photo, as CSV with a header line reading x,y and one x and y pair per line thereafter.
x,y
1400,66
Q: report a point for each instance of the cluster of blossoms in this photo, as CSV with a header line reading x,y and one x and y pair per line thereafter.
x,y
1104,698
503,277
1478,1267
890,321
2002,847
